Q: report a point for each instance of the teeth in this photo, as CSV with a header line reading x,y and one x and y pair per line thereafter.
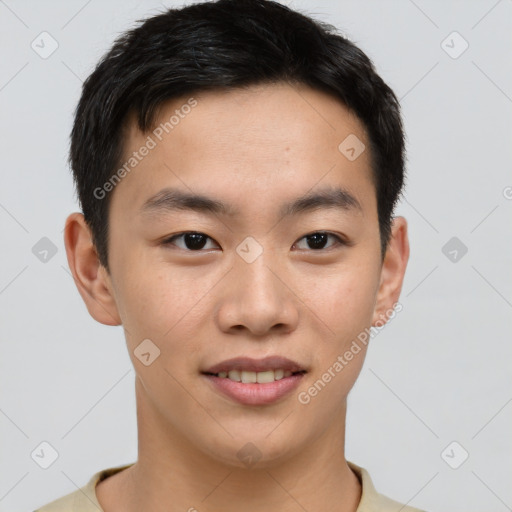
x,y
263,377
248,377
234,375
251,377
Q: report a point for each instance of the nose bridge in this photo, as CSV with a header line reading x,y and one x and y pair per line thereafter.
x,y
253,261
257,278
256,299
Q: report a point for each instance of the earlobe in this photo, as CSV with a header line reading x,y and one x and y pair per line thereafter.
x,y
90,276
392,272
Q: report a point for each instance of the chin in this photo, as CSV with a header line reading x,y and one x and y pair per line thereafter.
x,y
255,452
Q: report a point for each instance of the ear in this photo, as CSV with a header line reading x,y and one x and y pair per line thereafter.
x,y
91,278
392,272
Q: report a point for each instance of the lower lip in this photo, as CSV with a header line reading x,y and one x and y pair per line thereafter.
x,y
254,393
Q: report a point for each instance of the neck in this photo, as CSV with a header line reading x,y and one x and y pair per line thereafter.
x,y
170,470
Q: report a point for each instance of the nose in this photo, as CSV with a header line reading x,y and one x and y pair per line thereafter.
x,y
257,299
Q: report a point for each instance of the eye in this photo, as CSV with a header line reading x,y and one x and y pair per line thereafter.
x,y
194,241
319,240
189,241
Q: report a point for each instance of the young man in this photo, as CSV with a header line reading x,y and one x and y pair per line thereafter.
x,y
237,165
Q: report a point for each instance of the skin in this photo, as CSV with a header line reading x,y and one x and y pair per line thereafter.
x,y
254,149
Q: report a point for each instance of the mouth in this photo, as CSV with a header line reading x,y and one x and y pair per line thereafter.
x,y
255,381
249,377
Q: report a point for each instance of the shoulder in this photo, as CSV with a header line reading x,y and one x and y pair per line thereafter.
x,y
83,499
373,501
80,500
65,503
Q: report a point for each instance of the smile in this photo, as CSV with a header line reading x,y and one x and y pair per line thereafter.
x,y
248,377
255,381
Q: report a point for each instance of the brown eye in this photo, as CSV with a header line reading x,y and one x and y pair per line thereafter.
x,y
189,241
319,240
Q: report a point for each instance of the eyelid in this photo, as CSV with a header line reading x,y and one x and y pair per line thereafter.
x,y
340,241
169,240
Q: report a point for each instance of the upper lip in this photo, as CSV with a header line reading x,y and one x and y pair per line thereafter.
x,y
255,365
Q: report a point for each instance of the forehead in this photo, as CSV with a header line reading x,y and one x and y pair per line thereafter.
x,y
243,144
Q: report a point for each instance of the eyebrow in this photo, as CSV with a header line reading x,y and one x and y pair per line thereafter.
x,y
170,200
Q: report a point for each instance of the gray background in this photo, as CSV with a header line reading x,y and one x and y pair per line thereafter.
x,y
438,373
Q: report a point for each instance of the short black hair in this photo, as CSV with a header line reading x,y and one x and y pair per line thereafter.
x,y
226,44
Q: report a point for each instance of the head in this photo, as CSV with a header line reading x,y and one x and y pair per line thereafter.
x,y
273,140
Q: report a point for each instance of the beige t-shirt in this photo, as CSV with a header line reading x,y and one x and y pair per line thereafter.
x,y
84,499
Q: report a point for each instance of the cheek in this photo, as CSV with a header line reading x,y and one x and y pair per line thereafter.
x,y
346,307
345,303
167,307
344,300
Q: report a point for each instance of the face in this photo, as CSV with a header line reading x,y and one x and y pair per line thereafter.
x,y
245,245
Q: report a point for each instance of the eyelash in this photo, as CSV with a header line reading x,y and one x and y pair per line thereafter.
x,y
339,241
